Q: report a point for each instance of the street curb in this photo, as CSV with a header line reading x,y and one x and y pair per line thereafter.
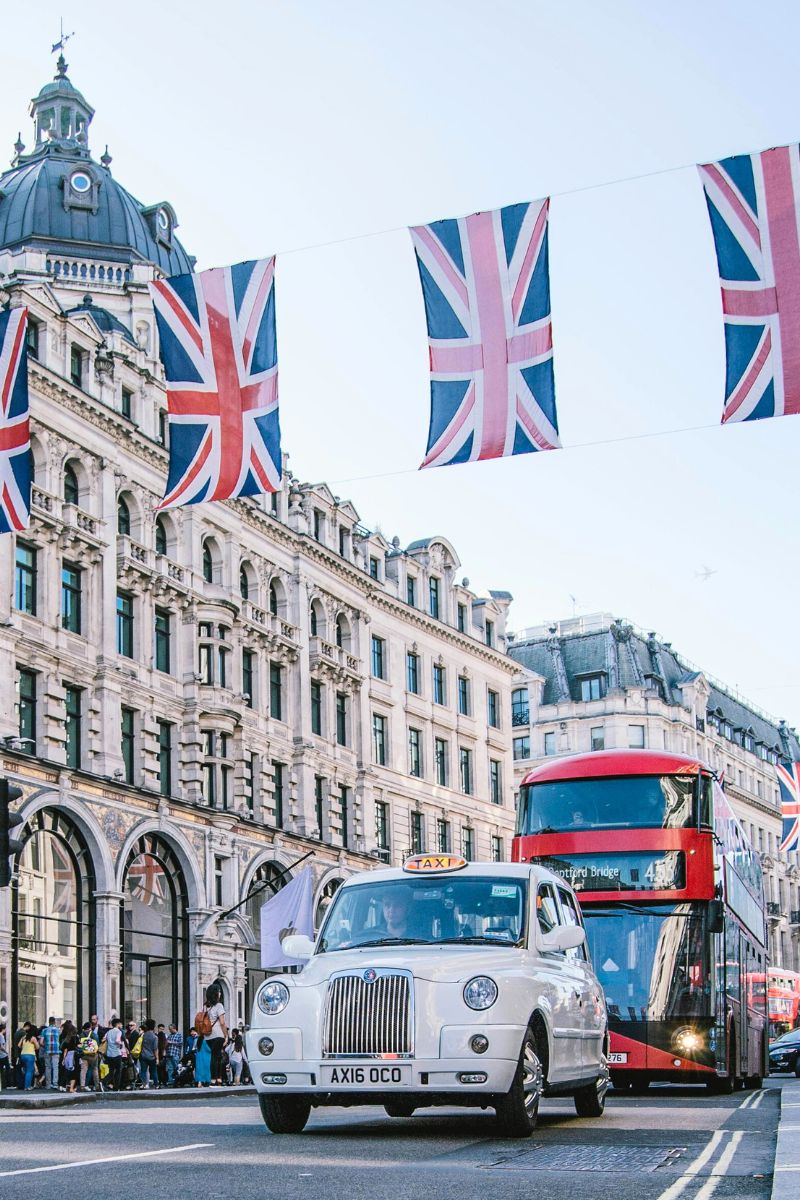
x,y
65,1100
786,1176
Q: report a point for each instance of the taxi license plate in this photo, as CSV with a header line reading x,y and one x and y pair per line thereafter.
x,y
617,1057
369,1075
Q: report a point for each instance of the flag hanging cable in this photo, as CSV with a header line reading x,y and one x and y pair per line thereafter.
x,y
265,883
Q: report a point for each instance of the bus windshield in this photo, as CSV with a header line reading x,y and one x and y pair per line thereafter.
x,y
652,960
622,802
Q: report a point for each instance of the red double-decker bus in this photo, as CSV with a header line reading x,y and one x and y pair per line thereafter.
x,y
673,901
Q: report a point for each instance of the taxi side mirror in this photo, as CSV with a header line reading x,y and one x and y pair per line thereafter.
x,y
564,937
298,946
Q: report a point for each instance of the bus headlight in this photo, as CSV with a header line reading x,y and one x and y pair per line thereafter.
x,y
273,998
687,1040
480,992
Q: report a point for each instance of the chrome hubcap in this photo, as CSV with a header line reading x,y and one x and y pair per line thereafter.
x,y
603,1079
531,1079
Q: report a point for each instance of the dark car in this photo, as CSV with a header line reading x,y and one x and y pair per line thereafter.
x,y
784,1053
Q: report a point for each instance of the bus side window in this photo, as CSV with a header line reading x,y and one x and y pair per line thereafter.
x,y
546,907
571,917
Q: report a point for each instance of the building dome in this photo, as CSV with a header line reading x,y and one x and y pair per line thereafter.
x,y
59,198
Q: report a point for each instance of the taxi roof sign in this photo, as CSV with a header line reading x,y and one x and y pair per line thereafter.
x,y
431,864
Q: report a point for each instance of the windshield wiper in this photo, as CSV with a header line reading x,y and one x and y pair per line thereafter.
x,y
473,941
389,941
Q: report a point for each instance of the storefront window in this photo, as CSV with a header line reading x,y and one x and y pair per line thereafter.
x,y
154,935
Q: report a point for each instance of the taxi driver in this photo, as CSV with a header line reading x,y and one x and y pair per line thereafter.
x,y
394,912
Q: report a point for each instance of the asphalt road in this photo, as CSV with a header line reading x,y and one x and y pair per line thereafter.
x,y
671,1144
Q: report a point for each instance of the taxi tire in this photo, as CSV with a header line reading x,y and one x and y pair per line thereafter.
x,y
590,1101
285,1114
516,1118
399,1108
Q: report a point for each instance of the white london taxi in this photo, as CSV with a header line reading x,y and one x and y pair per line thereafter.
x,y
441,983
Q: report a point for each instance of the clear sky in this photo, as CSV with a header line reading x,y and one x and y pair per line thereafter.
x,y
278,126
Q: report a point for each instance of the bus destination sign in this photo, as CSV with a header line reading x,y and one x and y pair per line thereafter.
x,y
629,871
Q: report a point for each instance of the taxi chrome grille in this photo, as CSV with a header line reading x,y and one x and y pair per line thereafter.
x,y
363,1018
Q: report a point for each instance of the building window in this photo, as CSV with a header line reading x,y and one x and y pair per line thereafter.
x,y
162,639
497,848
636,737
217,769
343,542
415,753
72,491
374,568
125,624
433,588
208,564
250,775
161,536
248,677
244,584
379,739
126,405
319,802
468,843
593,687
164,758
465,765
489,632
163,427
25,578
495,782
520,713
27,709
319,525
316,707
72,724
32,338
278,788
276,691
549,743
344,805
341,718
440,760
411,590
76,359
313,622
521,747
417,838
378,657
461,614
463,696
439,685
219,880
412,672
382,824
127,737
205,633
71,597
273,599
598,735
493,709
442,835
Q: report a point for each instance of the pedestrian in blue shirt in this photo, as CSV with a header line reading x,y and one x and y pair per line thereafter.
x,y
51,1046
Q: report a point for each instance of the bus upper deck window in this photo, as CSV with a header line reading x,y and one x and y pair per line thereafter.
x,y
705,804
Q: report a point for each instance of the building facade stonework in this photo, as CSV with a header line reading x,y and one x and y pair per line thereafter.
x,y
596,682
195,699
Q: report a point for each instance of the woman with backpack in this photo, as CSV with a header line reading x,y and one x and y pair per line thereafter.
x,y
202,1063
214,1011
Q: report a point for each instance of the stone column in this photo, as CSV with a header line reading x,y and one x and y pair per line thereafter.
x,y
108,962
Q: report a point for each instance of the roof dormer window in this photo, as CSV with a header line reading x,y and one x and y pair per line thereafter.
x,y
81,190
80,182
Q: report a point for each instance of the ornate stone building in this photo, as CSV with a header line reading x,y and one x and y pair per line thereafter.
x,y
194,700
594,683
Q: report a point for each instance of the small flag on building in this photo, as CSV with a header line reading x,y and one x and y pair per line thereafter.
x,y
290,911
15,438
219,350
789,784
753,203
487,300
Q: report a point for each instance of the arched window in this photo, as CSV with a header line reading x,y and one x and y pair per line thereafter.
x,y
273,599
123,518
208,563
324,902
161,536
266,882
53,919
244,583
155,960
314,622
72,492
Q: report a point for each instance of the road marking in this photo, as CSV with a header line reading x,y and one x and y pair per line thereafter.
x,y
747,1101
93,1162
694,1168
758,1099
720,1168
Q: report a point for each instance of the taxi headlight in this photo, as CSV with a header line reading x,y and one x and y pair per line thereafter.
x,y
273,998
480,992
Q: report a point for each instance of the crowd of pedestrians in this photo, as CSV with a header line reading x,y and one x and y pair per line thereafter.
x,y
121,1056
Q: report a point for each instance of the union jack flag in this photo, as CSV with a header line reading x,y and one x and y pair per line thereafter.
x,y
15,438
219,350
487,299
753,202
147,882
789,783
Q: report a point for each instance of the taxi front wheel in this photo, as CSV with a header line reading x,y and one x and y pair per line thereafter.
x,y
285,1114
519,1108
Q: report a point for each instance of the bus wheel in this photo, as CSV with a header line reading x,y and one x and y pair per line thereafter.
x,y
753,1081
285,1114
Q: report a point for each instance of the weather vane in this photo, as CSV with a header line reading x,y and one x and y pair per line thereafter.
x,y
59,45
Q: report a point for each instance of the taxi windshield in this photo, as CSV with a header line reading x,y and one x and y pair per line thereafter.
x,y
432,911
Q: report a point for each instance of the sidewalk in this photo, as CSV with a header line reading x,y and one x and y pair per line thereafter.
x,y
786,1180
42,1099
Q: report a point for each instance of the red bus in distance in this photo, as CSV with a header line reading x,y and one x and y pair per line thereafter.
x,y
673,901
